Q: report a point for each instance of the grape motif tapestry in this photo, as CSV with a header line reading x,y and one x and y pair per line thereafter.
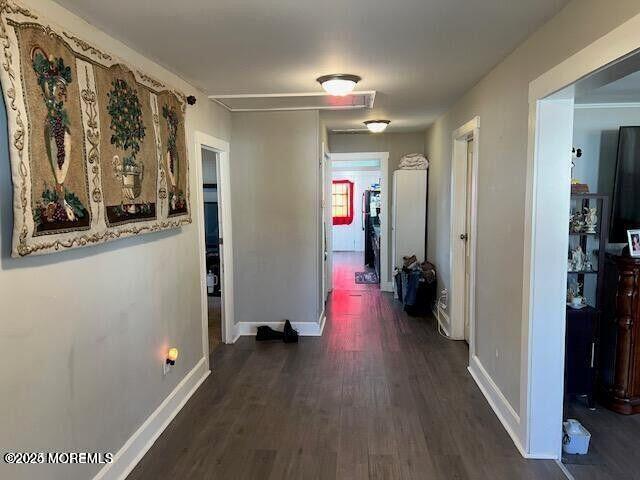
x,y
97,149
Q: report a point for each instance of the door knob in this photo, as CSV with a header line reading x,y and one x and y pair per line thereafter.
x,y
464,236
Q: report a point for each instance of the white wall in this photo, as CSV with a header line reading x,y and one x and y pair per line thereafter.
x,y
351,237
209,167
595,131
276,201
501,101
209,175
83,333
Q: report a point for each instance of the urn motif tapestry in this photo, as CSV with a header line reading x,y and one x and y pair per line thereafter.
x,y
98,149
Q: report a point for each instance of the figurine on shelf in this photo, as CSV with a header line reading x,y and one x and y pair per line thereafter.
x,y
588,266
590,219
574,299
576,222
578,259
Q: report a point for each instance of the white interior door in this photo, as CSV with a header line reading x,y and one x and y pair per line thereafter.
x,y
467,249
464,176
221,248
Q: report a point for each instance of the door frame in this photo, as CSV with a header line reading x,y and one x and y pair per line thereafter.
x,y
386,284
327,239
550,135
459,169
221,147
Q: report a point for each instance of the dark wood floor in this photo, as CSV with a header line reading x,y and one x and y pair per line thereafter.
x,y
613,447
379,396
215,322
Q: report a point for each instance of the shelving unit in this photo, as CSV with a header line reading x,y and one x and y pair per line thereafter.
x,y
592,243
583,324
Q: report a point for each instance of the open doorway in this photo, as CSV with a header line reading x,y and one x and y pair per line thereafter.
x,y
213,235
213,219
358,224
580,343
602,398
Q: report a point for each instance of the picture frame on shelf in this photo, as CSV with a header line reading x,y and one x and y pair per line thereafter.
x,y
633,238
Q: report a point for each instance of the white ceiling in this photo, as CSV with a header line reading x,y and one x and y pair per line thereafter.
x,y
624,90
419,55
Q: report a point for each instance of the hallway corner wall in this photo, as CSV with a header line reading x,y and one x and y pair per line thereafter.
x,y
276,176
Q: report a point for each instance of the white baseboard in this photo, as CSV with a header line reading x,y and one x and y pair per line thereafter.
x,y
321,321
565,470
504,411
236,334
386,286
144,437
305,329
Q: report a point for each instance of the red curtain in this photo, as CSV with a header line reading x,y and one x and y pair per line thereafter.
x,y
342,202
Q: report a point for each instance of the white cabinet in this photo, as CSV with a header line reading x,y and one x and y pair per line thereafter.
x,y
409,215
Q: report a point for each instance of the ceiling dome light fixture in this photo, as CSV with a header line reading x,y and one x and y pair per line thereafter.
x,y
377,126
339,84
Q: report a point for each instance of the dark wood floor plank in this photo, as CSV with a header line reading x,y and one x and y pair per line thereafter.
x,y
380,395
613,446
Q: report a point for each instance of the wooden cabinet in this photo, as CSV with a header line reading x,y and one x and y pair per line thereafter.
x,y
580,353
620,336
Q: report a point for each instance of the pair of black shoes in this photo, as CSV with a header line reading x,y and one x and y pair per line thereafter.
x,y
289,335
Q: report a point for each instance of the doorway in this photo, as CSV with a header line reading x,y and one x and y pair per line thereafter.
x,y
213,217
213,234
463,232
358,220
546,268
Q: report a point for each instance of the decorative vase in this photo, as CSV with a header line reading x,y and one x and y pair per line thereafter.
x,y
131,177
132,181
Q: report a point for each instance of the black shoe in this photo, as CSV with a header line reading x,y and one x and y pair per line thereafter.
x,y
267,333
290,334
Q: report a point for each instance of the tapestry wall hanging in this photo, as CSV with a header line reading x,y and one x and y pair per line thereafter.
x,y
98,149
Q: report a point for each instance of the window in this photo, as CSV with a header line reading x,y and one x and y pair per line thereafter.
x,y
342,202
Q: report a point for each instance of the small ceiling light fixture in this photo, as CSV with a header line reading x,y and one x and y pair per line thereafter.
x,y
377,126
339,84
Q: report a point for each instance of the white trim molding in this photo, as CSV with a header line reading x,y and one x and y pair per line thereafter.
x,y
498,402
125,460
386,286
551,99
369,97
305,329
565,470
203,140
457,269
580,106
385,231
